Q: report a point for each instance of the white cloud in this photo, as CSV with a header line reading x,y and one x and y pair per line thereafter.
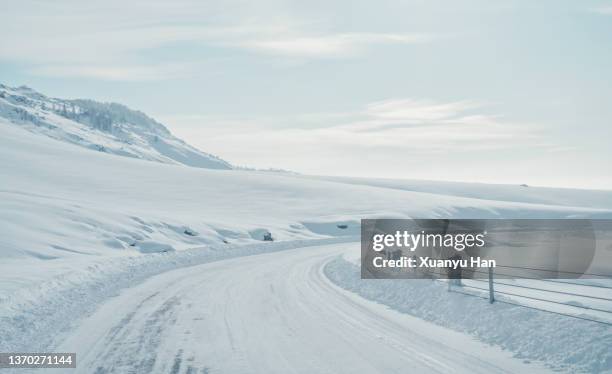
x,y
331,45
110,40
418,110
113,54
114,73
395,138
606,10
397,128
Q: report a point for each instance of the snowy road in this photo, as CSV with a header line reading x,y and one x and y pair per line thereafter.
x,y
270,313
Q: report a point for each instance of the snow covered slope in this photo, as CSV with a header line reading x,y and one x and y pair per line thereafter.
x,y
105,127
59,200
500,192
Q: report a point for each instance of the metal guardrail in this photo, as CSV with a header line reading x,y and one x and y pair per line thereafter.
x,y
489,293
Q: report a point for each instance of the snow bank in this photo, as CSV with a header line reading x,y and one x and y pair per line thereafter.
x,y
561,342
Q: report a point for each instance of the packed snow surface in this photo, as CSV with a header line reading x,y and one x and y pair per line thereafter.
x,y
269,313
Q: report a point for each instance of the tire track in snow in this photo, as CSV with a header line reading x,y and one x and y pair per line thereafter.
x,y
271,313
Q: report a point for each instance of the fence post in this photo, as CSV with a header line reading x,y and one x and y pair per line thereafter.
x,y
491,291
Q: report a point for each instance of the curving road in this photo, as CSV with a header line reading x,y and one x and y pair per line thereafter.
x,y
270,313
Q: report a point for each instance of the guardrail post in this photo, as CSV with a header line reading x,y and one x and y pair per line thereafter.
x,y
491,291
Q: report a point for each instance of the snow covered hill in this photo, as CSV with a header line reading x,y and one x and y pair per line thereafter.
x,y
105,127
60,200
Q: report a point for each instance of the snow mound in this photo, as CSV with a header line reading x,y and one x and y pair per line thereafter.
x,y
150,246
338,227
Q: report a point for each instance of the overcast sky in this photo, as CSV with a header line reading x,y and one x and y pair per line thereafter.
x,y
481,91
